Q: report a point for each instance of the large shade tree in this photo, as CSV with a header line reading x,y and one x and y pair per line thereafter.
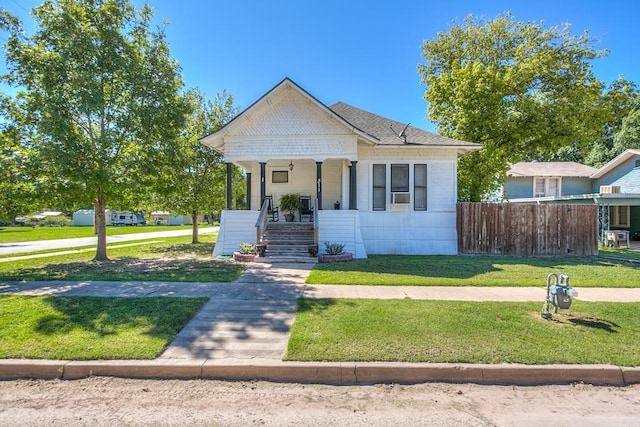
x,y
18,162
628,137
104,94
197,184
520,89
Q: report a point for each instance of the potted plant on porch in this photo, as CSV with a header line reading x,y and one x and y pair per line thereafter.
x,y
289,204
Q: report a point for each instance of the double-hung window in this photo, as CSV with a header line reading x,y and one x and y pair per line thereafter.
x,y
620,216
420,187
546,187
402,186
379,187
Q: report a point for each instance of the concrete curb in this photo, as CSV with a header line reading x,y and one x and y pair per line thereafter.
x,y
337,373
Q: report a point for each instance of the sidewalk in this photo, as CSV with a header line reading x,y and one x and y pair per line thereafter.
x,y
242,333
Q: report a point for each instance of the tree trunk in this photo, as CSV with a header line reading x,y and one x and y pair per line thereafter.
x,y
194,234
101,229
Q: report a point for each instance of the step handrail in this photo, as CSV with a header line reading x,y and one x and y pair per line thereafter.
x,y
316,221
261,223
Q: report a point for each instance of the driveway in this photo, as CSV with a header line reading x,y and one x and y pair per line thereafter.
x,y
42,245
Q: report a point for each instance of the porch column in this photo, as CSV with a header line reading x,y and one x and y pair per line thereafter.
x,y
248,191
229,186
263,185
353,186
319,184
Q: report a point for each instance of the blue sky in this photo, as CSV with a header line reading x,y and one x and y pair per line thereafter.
x,y
364,53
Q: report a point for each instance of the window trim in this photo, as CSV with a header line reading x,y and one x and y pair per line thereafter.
x,y
374,186
401,189
279,181
417,187
389,201
616,216
546,180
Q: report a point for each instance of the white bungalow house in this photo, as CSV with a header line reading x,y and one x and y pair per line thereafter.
x,y
395,184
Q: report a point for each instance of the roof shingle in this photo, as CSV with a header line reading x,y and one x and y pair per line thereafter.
x,y
380,128
567,169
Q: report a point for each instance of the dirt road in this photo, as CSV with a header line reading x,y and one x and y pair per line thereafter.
x,y
110,401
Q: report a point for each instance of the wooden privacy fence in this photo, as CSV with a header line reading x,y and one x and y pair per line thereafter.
x,y
520,229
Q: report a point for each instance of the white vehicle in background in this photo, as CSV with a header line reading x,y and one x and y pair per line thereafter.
x,y
127,218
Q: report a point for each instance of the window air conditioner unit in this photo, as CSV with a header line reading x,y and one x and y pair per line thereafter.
x,y
400,198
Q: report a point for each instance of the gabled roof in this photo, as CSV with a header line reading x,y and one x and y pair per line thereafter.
x,y
629,183
371,128
214,140
562,169
391,132
621,158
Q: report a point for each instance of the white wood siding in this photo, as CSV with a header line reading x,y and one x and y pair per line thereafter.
x,y
400,229
341,226
409,233
235,227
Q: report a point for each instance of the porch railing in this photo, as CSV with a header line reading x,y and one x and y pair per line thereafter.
x,y
316,222
261,223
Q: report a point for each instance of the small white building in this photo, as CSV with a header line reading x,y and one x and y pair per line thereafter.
x,y
167,218
395,184
86,217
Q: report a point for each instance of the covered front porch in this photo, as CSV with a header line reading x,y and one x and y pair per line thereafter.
x,y
331,181
330,185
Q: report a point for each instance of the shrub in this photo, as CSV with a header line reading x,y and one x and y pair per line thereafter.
x,y
290,202
247,248
334,248
56,221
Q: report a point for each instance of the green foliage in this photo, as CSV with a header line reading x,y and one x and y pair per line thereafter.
x,y
247,248
464,332
629,135
103,95
18,161
91,328
197,183
334,248
56,221
409,270
290,202
517,88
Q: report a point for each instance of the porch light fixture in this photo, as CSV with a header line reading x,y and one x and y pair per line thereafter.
x,y
291,165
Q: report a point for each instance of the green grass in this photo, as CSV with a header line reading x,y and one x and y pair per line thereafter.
x,y
28,234
91,328
621,253
464,332
169,259
476,271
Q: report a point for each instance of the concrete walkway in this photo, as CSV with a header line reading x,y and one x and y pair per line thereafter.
x,y
242,333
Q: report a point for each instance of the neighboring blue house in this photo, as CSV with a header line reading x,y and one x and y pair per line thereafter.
x,y
615,187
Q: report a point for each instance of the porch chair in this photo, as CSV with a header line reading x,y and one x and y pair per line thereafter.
x,y
306,208
272,212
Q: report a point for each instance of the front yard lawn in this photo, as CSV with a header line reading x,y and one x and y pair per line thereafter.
x,y
409,270
621,253
464,332
91,328
165,259
28,234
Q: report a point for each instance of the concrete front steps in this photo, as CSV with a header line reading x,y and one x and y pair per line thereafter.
x,y
288,242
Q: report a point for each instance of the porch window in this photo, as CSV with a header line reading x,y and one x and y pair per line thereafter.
x,y
279,177
379,187
420,187
620,216
399,178
546,187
